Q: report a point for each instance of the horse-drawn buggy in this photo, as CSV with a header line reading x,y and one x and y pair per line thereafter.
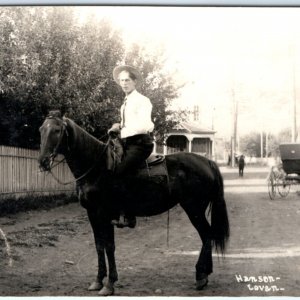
x,y
287,173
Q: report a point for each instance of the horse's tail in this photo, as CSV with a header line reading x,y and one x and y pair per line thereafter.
x,y
219,217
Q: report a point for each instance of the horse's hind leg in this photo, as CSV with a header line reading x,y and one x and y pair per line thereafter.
x,y
204,265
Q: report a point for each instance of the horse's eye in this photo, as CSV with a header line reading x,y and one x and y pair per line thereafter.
x,y
57,130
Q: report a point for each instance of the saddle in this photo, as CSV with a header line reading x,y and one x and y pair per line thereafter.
x,y
153,166
155,159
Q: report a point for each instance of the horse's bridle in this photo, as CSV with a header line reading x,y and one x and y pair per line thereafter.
x,y
63,131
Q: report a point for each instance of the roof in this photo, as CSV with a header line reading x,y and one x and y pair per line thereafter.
x,y
189,127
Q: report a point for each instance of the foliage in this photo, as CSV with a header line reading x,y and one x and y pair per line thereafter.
x,y
51,60
284,136
11,205
250,144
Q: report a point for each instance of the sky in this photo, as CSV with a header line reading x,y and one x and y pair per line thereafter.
x,y
223,55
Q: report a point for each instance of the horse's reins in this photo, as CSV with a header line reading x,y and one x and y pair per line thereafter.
x,y
55,152
80,177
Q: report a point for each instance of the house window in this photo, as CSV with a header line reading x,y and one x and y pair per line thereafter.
x,y
201,146
196,113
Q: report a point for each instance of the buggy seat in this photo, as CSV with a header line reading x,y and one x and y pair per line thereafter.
x,y
290,157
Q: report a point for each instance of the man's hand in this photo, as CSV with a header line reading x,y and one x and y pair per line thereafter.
x,y
114,131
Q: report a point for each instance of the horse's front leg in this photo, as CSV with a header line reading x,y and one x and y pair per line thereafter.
x,y
99,242
109,242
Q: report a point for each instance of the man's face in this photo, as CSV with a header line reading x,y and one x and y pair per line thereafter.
x,y
126,83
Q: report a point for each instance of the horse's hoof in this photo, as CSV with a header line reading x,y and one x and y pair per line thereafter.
x,y
201,283
106,291
95,286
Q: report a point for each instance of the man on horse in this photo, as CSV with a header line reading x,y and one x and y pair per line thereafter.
x,y
135,129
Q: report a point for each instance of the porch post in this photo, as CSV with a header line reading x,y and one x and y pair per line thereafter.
x,y
165,148
154,147
190,142
213,148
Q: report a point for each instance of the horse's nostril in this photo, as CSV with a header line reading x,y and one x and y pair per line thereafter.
x,y
44,163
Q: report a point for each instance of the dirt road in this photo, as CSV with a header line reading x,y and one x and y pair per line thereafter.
x,y
52,252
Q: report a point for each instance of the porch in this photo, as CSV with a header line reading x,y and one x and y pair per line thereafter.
x,y
188,137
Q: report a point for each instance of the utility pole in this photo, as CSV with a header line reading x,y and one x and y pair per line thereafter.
x,y
232,152
294,99
235,120
261,144
235,123
213,119
267,143
294,125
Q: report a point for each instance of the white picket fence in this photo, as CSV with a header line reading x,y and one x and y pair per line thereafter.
x,y
20,174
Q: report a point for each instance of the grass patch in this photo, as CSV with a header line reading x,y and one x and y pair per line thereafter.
x,y
12,205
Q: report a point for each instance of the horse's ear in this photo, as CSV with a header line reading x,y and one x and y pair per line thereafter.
x,y
55,114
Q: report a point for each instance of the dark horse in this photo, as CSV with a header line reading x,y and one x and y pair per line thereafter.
x,y
194,182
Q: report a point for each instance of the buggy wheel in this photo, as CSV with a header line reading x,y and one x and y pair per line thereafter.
x,y
283,188
271,186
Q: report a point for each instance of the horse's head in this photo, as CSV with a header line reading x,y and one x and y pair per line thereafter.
x,y
52,132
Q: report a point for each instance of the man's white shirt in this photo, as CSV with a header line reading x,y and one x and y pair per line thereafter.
x,y
136,115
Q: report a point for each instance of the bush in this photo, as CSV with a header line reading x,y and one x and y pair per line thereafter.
x,y
13,204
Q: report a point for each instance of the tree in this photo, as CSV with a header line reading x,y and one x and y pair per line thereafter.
x,y
94,98
250,144
50,60
12,69
35,64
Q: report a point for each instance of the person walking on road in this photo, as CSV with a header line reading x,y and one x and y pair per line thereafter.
x,y
241,165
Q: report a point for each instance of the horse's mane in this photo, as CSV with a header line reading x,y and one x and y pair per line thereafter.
x,y
82,141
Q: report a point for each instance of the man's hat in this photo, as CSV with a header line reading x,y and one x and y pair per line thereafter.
x,y
117,70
